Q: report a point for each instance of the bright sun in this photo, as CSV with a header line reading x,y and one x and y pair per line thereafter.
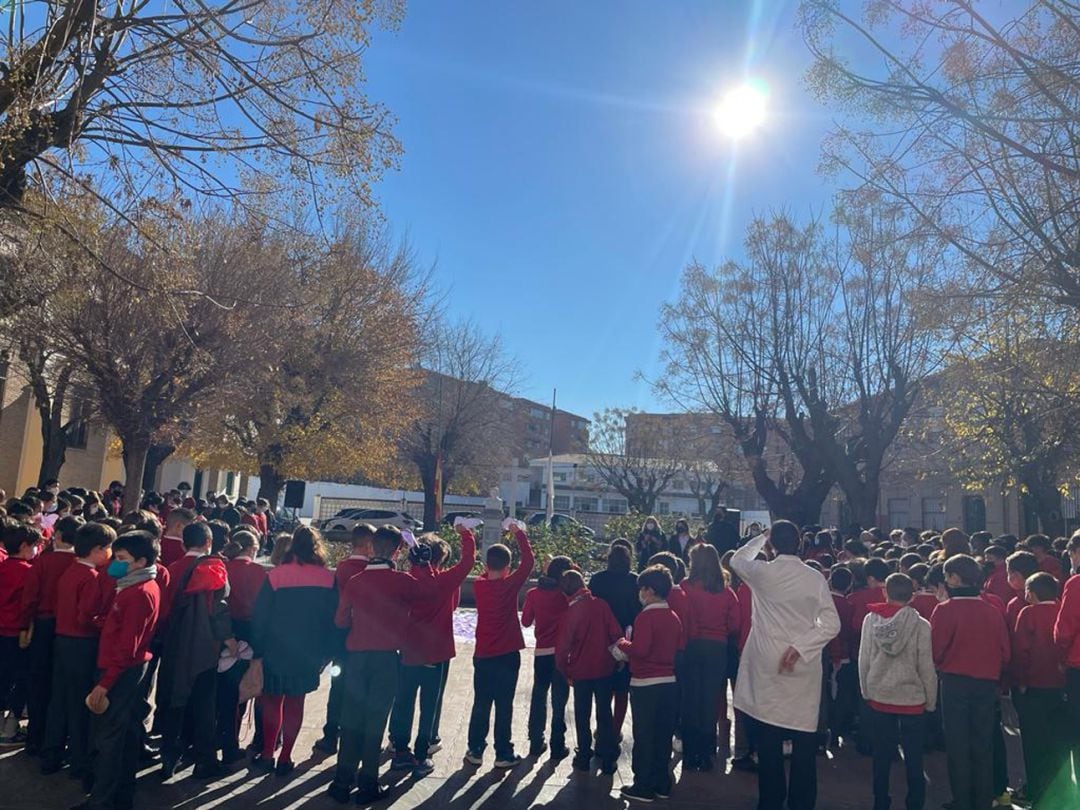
x,y
742,110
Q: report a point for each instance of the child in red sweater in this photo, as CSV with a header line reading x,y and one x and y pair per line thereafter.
x,y
80,605
544,606
1039,679
583,656
971,649
653,692
497,657
21,542
123,653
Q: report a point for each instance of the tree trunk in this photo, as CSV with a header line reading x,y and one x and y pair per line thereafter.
x,y
136,450
863,500
53,454
1046,501
270,484
154,458
802,505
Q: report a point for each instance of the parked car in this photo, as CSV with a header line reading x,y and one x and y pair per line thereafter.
x,y
344,520
561,523
449,517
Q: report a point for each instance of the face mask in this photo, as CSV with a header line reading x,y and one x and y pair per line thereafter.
x,y
118,569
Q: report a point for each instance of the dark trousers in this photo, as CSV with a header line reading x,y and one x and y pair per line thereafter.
x,y
800,788
494,683
1042,732
428,681
117,736
334,700
39,687
370,685
967,709
700,685
654,718
1072,717
14,669
586,693
74,666
909,732
1000,760
438,705
199,715
228,708
546,678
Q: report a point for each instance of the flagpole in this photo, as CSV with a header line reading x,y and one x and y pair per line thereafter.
x,y
550,483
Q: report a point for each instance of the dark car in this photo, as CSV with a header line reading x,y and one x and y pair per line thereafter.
x,y
561,523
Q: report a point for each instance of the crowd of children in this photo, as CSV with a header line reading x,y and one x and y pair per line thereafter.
x,y
127,639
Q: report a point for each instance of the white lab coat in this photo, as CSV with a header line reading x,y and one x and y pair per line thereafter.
x,y
792,608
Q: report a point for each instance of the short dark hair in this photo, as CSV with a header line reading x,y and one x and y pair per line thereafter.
x,y
966,568
877,568
935,575
657,578
143,521
180,515
899,588
16,534
571,582
840,578
1023,563
784,537
386,541
618,559
197,535
1074,542
910,559
219,534
91,536
559,566
361,532
1043,585
497,557
1039,541
140,544
995,552
66,527
918,573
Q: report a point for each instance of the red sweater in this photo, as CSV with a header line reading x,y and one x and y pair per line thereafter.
x,y
1012,611
13,575
498,631
1037,661
1052,565
840,648
711,616
430,639
746,613
588,629
129,627
246,578
970,638
657,638
999,606
172,549
926,603
860,604
1067,626
80,602
998,584
545,606
347,569
678,601
40,589
375,607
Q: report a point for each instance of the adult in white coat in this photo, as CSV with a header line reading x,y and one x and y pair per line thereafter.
x,y
779,682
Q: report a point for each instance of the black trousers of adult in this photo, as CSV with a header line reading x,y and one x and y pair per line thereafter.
x,y
14,672
546,678
439,704
227,699
1072,716
494,684
371,680
39,687
1001,761
587,693
967,709
428,681
199,714
844,705
886,731
117,737
334,700
74,666
701,681
653,711
800,788
1042,732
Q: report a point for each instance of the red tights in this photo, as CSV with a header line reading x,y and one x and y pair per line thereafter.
x,y
618,714
283,714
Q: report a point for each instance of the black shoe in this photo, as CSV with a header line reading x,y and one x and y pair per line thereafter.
x,y
50,765
746,763
537,749
261,764
284,767
582,762
169,765
209,770
339,794
148,756
87,781
637,794
326,745
32,750
372,795
608,768
232,757
559,752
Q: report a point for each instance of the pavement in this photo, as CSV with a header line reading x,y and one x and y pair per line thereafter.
x,y
844,777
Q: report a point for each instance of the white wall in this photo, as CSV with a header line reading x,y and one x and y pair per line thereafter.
x,y
328,489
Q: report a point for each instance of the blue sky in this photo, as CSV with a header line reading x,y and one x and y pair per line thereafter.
x,y
561,166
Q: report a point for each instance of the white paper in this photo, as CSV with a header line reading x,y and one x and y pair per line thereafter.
x,y
467,523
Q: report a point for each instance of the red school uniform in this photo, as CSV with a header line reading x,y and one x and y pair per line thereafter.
x,y
246,578
42,583
678,602
925,602
80,602
375,608
128,630
172,549
840,648
13,574
860,604
1067,626
746,613
430,639
998,584
498,630
545,606
583,648
711,616
349,568
657,638
1037,661
1052,566
970,638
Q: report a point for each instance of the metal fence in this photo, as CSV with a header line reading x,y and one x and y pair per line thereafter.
x,y
325,508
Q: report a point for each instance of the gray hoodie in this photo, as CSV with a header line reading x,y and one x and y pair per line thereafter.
x,y
896,663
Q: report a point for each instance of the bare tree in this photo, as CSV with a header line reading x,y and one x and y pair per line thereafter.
x,y
639,464
465,426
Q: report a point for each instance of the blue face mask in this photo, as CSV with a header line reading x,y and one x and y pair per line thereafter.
x,y
118,569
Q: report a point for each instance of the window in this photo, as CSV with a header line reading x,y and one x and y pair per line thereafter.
x,y
974,514
665,508
933,514
586,504
615,506
539,413
562,502
79,428
558,476
899,513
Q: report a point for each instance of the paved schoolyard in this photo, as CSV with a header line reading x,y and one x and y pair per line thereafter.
x,y
844,777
